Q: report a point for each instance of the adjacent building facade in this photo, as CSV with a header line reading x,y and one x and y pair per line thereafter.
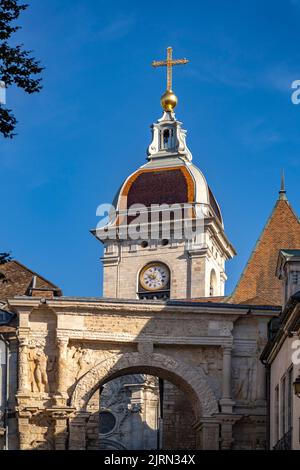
x,y
282,358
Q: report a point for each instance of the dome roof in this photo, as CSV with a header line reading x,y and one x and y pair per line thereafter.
x,y
163,184
169,177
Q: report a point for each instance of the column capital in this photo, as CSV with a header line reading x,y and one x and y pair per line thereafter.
x,y
207,420
227,405
61,412
229,418
207,429
227,349
62,340
23,341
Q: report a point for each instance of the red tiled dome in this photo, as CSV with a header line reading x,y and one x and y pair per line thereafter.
x,y
180,184
161,186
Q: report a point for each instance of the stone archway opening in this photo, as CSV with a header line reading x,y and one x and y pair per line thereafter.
x,y
190,382
140,412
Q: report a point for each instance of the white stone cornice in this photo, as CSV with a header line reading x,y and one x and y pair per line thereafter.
x,y
81,306
220,237
108,260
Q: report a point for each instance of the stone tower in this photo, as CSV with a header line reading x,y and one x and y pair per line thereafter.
x,y
165,237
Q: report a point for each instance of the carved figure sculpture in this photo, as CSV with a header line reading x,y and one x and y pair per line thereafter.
x,y
40,371
38,379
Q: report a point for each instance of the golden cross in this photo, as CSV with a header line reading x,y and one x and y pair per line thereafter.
x,y
169,63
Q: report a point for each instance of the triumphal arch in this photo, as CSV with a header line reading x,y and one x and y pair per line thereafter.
x,y
69,348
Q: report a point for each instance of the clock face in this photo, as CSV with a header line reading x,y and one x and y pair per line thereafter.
x,y
154,276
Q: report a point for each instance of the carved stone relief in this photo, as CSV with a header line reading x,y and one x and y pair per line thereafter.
x,y
81,359
243,375
37,366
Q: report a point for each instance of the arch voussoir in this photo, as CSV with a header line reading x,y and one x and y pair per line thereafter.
x,y
186,377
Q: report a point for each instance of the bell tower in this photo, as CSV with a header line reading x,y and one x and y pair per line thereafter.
x,y
165,237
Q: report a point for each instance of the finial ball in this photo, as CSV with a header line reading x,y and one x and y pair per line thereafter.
x,y
169,100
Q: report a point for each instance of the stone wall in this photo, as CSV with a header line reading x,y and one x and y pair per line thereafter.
x,y
178,420
190,269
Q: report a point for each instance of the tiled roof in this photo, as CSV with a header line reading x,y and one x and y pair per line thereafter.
x,y
163,186
258,283
19,279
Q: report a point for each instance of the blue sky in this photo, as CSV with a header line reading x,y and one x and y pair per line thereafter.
x,y
89,127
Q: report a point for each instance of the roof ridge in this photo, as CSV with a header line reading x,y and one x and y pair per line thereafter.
x,y
254,250
34,273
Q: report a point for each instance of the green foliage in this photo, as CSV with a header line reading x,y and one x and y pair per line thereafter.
x,y
7,122
5,258
17,66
